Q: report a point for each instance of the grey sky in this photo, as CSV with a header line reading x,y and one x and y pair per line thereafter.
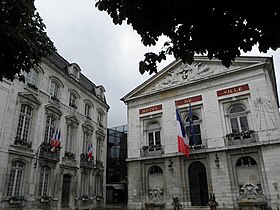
x,y
107,54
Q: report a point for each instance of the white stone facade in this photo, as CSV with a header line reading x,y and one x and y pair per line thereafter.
x,y
33,173
236,117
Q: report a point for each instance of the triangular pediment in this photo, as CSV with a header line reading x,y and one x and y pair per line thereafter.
x,y
30,99
179,74
71,119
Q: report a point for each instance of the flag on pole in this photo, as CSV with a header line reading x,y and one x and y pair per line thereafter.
x,y
55,142
57,145
89,151
53,137
183,145
191,128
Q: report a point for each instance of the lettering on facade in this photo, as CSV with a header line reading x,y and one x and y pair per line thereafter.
x,y
150,109
188,100
232,90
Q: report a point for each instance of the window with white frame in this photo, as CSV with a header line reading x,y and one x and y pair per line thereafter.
x,y
71,132
54,90
153,131
32,77
15,184
238,118
87,110
99,148
50,128
44,181
24,123
73,100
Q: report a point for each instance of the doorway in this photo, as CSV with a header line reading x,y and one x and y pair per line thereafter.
x,y
198,184
66,190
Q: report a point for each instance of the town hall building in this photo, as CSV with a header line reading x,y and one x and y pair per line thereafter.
x,y
53,131
233,113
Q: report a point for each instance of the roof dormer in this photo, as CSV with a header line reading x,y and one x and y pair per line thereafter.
x,y
100,90
74,71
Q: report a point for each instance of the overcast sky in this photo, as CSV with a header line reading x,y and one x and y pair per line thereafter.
x,y
107,54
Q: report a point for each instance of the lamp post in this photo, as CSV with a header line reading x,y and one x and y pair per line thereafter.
x,y
217,161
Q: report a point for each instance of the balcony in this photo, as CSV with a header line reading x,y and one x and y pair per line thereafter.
x,y
152,151
47,154
23,143
86,162
244,137
69,155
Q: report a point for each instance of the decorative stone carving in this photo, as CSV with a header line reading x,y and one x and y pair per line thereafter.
x,y
250,199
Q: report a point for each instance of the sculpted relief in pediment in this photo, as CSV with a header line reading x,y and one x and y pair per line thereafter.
x,y
183,74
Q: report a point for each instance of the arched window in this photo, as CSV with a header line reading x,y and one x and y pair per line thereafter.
x,y
156,183
247,172
15,184
86,141
155,170
238,118
24,123
50,128
54,90
153,130
44,181
73,100
196,128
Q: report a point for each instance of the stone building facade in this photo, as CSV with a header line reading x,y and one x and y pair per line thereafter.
x,y
236,123
56,102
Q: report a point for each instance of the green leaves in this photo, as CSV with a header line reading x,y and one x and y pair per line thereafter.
x,y
23,40
217,29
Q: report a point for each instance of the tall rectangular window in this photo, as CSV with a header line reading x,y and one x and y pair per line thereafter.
x,y
44,181
15,179
54,90
24,122
70,138
50,128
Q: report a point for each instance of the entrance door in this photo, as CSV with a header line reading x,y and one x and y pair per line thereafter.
x,y
198,184
65,190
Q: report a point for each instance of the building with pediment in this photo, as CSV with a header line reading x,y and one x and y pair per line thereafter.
x,y
56,102
235,118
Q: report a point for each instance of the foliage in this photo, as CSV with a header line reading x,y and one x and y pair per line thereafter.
x,y
23,40
219,29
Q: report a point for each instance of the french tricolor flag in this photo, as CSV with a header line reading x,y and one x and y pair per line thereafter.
x,y
183,140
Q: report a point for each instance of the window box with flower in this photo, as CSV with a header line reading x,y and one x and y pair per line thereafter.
x,y
16,199
45,199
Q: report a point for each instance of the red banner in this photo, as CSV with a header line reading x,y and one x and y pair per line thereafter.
x,y
232,90
188,100
150,109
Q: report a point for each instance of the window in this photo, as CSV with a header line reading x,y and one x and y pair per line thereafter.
x,y
247,172
154,136
50,128
44,181
87,110
73,100
24,123
196,129
87,141
32,77
155,170
54,90
100,118
16,179
70,138
238,118
98,149
85,184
